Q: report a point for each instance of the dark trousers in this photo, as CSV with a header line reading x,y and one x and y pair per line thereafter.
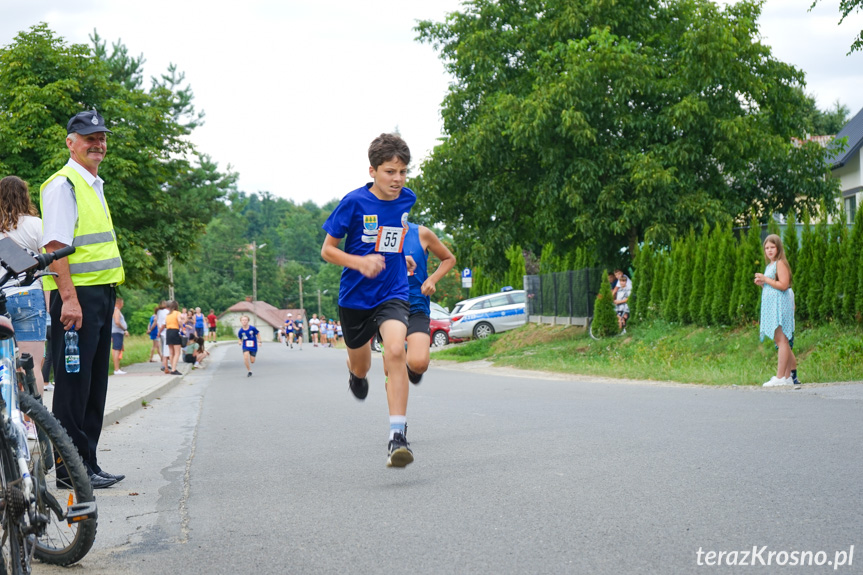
x,y
79,398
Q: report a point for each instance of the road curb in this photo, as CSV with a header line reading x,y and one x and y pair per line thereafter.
x,y
118,413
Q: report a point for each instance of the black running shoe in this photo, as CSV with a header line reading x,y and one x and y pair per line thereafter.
x,y
795,380
415,378
359,386
249,374
400,453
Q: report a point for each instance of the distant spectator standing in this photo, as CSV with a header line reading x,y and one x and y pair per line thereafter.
x,y
211,320
777,308
621,301
172,338
118,332
26,306
153,332
199,323
161,318
75,212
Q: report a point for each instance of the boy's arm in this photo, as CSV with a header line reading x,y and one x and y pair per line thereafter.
x,y
370,265
430,241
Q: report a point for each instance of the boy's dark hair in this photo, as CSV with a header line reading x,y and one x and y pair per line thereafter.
x,y
386,147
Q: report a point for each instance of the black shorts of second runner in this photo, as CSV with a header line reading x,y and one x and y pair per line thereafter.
x,y
419,323
251,352
360,325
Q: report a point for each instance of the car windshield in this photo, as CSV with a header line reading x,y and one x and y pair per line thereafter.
x,y
437,314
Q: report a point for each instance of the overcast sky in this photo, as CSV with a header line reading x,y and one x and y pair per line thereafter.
x,y
295,90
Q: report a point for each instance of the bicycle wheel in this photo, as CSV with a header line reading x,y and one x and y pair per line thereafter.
x,y
590,328
13,560
62,542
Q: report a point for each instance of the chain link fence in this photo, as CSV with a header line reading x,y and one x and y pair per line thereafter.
x,y
564,298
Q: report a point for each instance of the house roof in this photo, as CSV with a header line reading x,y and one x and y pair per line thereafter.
x,y
853,130
270,314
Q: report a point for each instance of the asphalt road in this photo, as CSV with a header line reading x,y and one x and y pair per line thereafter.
x,y
285,472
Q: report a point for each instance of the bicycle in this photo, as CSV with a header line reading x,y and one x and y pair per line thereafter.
x,y
33,519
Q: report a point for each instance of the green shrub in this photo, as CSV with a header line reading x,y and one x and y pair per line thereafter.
x,y
604,316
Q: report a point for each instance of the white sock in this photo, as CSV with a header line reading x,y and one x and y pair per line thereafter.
x,y
397,424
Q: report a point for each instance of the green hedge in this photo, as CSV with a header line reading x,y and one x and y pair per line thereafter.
x,y
707,278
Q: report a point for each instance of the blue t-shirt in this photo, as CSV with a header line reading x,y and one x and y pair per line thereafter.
x,y
414,248
199,321
358,218
289,326
249,337
298,325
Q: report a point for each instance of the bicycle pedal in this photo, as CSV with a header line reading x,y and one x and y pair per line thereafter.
x,y
81,512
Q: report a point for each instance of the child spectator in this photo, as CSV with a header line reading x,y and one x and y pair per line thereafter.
x,y
621,301
211,320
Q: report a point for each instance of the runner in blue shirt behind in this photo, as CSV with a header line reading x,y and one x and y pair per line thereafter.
x,y
289,330
373,292
249,337
418,242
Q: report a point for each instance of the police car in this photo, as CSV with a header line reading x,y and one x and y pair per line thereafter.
x,y
482,316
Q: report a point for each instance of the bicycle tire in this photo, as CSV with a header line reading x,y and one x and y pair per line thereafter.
x,y
590,328
61,543
12,556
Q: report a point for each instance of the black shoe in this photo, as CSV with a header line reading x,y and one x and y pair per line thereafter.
x,y
175,372
99,482
359,386
249,374
795,380
415,378
106,475
400,453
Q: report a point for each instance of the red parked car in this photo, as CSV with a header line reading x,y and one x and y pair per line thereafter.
x,y
439,324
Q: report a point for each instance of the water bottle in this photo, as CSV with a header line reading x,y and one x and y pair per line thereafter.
x,y
73,357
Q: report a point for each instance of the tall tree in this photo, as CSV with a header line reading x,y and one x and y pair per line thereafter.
x,y
723,282
162,191
803,269
851,268
577,120
846,7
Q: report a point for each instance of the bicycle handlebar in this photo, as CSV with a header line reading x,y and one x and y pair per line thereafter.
x,y
46,259
24,265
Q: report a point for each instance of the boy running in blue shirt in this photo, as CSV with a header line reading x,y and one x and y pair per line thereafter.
x,y
373,292
418,242
249,336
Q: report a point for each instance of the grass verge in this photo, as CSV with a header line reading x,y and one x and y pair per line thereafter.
x,y
661,351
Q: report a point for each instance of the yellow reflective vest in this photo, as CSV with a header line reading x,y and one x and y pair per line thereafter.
x,y
96,260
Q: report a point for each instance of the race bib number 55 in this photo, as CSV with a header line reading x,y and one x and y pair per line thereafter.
x,y
390,239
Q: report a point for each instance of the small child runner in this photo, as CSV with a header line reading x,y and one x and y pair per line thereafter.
x,y
249,337
298,330
331,333
373,291
290,326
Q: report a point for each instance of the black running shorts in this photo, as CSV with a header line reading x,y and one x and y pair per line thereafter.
x,y
419,323
360,325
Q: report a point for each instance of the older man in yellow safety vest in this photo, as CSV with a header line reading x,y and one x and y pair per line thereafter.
x,y
74,212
